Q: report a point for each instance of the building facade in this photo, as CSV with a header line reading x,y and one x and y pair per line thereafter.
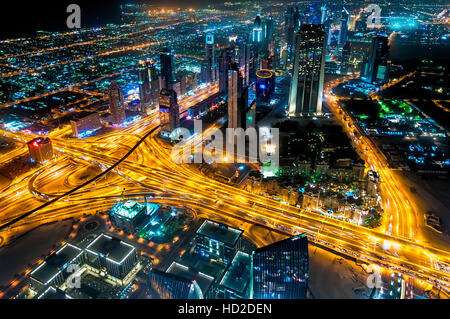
x,y
116,103
169,113
305,96
280,270
85,123
40,149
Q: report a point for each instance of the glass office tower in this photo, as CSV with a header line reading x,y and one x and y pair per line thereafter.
x,y
280,270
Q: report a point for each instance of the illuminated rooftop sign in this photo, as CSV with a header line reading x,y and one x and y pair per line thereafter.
x,y
210,38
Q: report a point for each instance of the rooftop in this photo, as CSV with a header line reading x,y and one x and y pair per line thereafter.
x,y
53,293
220,232
129,209
55,263
238,274
80,115
204,281
111,248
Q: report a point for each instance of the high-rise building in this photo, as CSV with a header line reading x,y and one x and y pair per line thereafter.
x,y
265,85
166,68
280,270
163,285
146,77
237,98
323,14
305,96
257,31
251,59
344,28
40,149
169,113
376,68
210,67
296,19
116,103
345,57
268,29
224,66
361,23
289,32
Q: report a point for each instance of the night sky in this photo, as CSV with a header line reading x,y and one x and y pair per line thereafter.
x,y
24,18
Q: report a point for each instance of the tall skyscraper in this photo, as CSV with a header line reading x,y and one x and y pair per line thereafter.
x,y
224,66
376,68
296,19
116,103
210,67
251,59
163,285
237,98
268,29
169,113
345,57
257,30
280,270
265,85
166,68
344,28
323,14
305,96
146,77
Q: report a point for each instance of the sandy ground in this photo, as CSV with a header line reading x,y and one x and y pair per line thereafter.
x,y
431,195
27,249
333,277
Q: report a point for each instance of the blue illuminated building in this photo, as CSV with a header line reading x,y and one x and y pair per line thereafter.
x,y
265,85
280,270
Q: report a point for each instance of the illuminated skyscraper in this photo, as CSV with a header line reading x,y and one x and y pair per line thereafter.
x,y
257,30
289,32
376,68
280,270
268,29
163,285
237,98
323,12
169,113
210,68
296,19
116,103
344,28
265,85
166,68
251,59
345,58
224,66
305,96
147,77
40,149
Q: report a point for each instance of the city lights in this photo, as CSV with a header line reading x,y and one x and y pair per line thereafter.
x,y
230,151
